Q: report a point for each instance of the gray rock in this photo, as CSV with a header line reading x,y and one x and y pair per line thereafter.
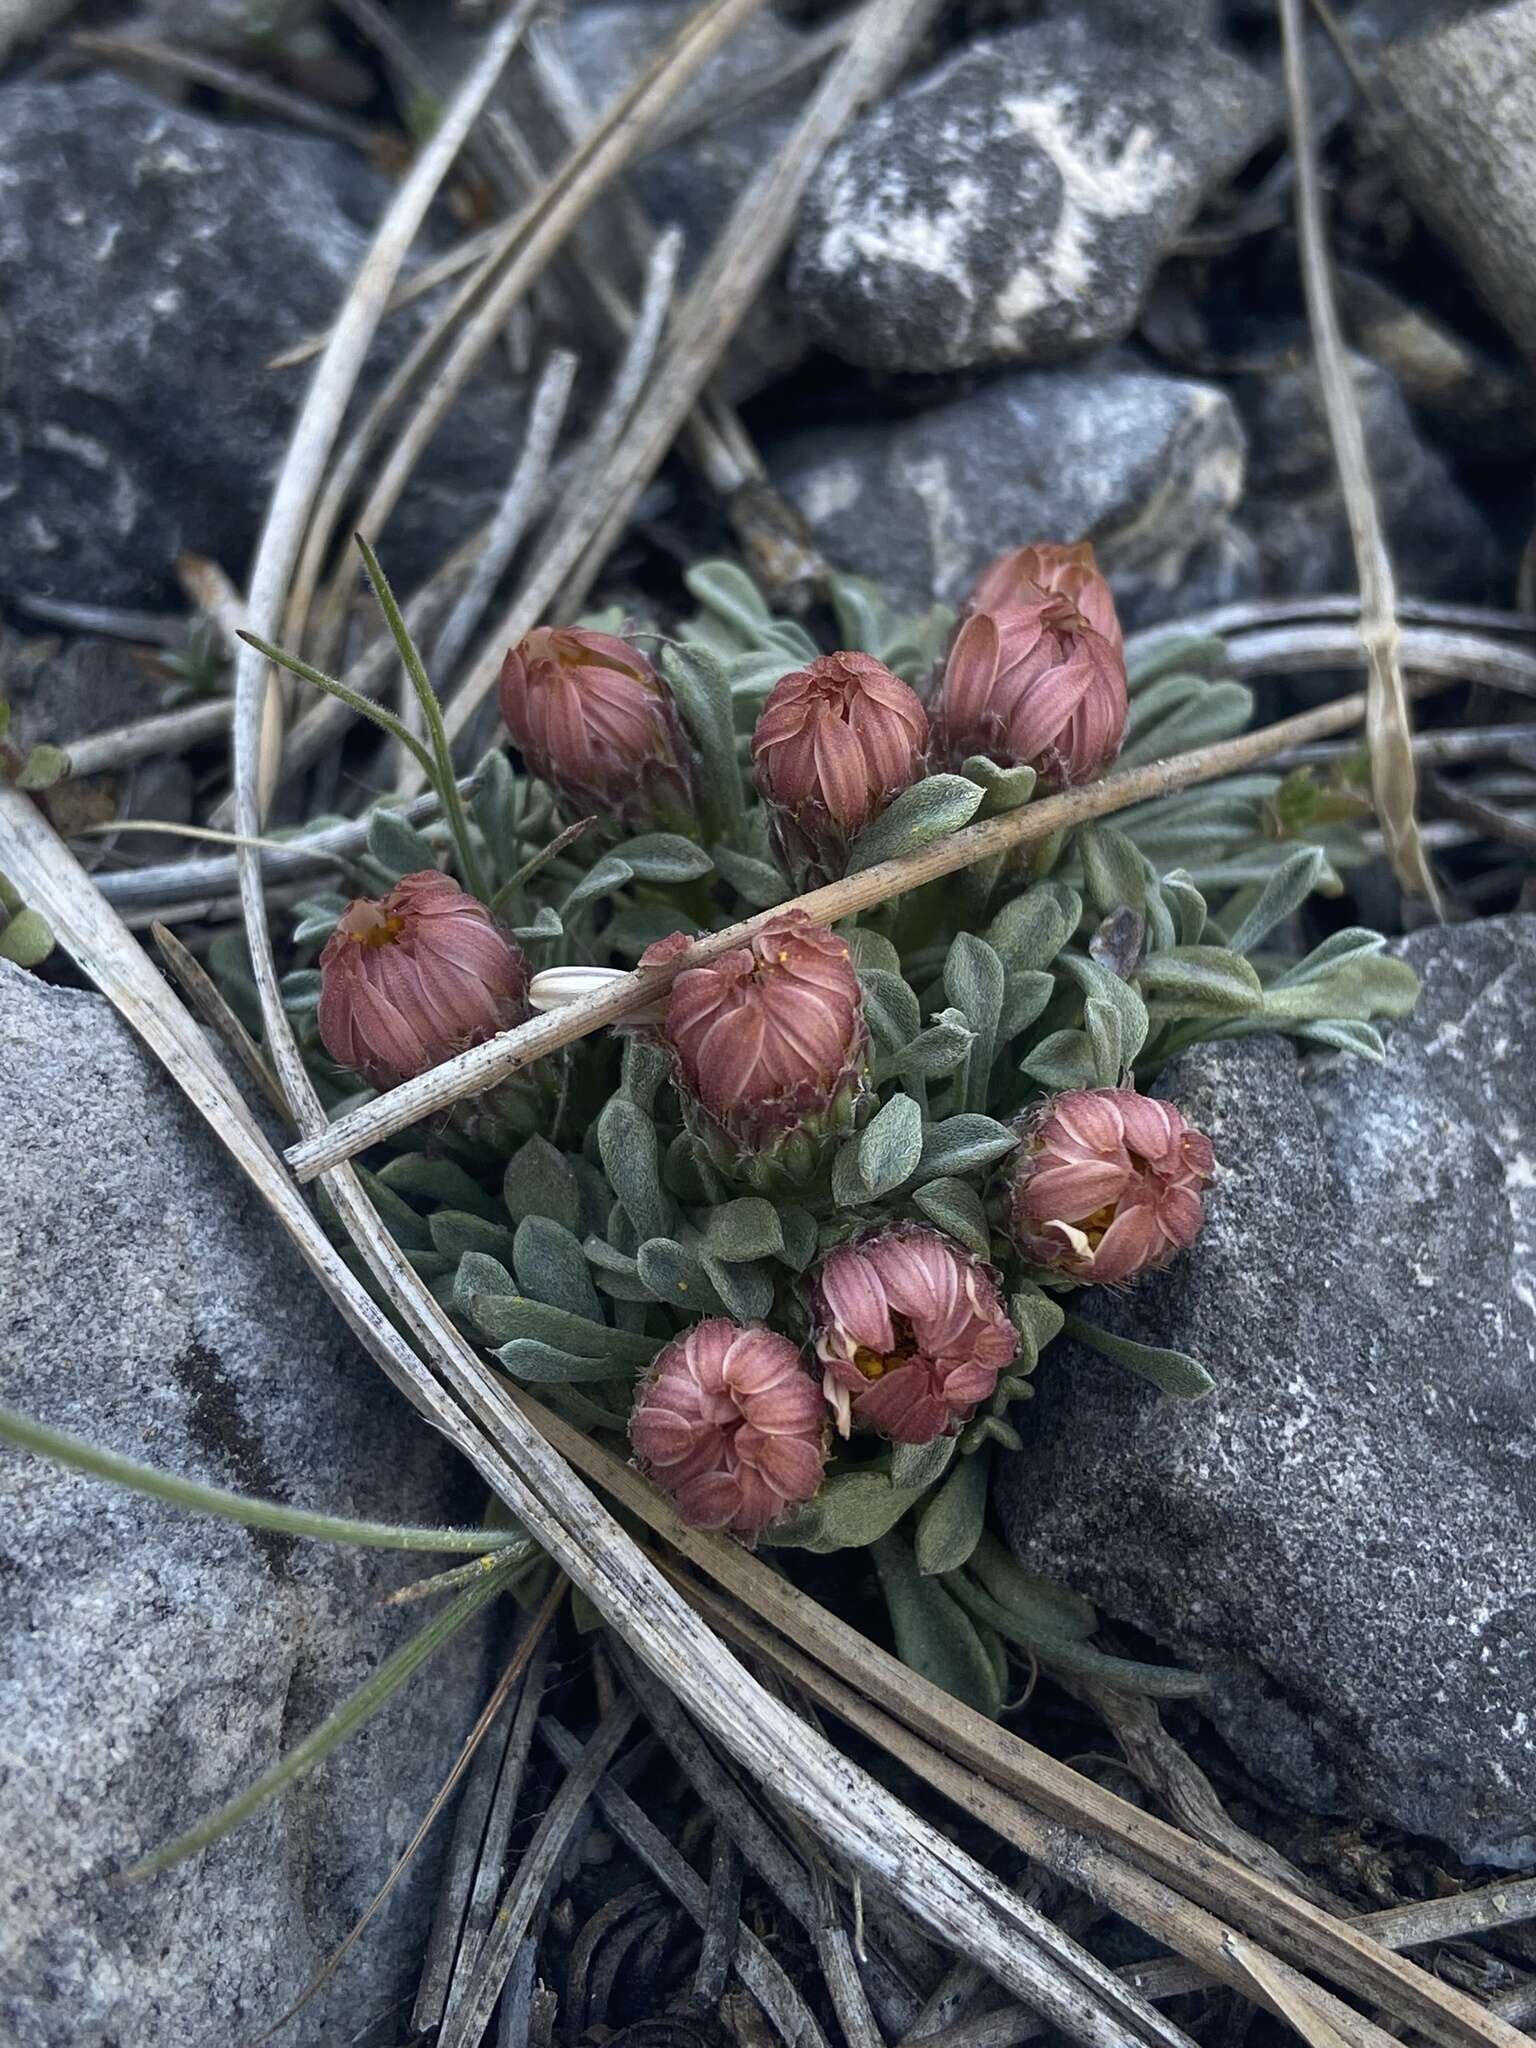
x,y
1464,149
1148,467
1344,1532
151,262
1294,509
152,1662
1012,205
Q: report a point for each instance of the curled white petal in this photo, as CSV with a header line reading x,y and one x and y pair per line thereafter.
x,y
557,986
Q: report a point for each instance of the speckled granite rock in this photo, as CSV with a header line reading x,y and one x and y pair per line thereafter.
x,y
1147,466
151,263
152,1662
1344,1532
1011,205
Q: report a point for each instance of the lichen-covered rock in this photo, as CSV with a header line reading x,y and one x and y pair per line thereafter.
x,y
1148,467
153,1662
1344,1532
151,263
1012,205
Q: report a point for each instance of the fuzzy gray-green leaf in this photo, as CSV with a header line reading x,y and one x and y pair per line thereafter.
x,y
955,1207
552,1267
539,1181
891,1145
950,1526
1171,1372
626,1140
929,810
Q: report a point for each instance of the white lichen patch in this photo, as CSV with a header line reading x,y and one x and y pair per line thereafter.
x,y
1107,174
889,225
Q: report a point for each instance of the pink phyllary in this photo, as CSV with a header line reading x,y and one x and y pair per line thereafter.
x,y
1109,1184
1027,576
592,717
1036,673
911,1333
408,981
835,742
769,1035
731,1425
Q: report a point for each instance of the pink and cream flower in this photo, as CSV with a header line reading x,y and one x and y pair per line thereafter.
x,y
911,1333
1108,1184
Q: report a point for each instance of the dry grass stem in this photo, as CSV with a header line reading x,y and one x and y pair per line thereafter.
x,y
314,432
1388,728
199,68
510,520
169,732
533,238
744,254
475,1070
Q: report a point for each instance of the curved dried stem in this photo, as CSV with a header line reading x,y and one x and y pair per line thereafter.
x,y
533,238
1388,728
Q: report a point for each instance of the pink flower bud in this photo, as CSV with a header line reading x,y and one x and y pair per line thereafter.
x,y
731,1425
768,1047
1108,1185
1027,576
911,1332
592,717
409,981
1036,673
835,742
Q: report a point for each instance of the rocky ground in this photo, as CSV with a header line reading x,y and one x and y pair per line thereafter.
x,y
1048,287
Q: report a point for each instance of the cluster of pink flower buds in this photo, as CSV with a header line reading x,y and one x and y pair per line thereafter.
x,y
1036,674
835,742
911,1333
731,1425
593,718
768,1048
1109,1184
408,981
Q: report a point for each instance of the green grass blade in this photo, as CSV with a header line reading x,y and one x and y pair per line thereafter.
x,y
80,1456
444,779
363,706
391,1675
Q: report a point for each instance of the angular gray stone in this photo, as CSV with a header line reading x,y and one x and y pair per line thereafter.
x,y
1146,466
1464,149
1293,509
151,1661
1344,1532
1012,205
151,262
